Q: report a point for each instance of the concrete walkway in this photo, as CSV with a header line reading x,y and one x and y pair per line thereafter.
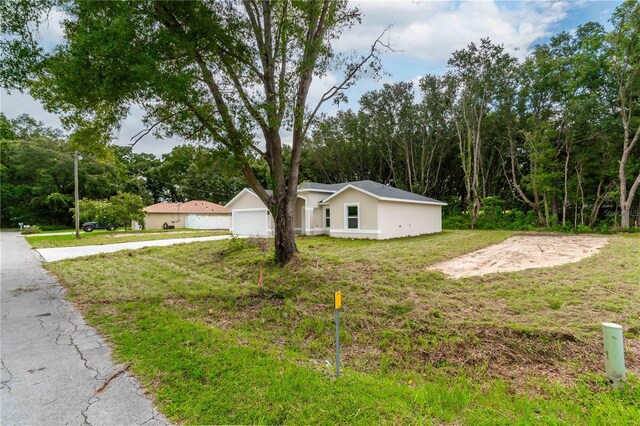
x,y
55,234
59,253
56,370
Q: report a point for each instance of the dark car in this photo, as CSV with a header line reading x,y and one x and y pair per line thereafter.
x,y
90,226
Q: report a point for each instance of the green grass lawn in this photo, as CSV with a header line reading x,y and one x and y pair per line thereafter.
x,y
515,348
100,237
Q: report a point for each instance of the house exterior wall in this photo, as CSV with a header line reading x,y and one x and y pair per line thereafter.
x,y
208,220
248,201
314,212
397,219
298,216
368,215
156,220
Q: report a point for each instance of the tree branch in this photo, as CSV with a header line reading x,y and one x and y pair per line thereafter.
x,y
333,91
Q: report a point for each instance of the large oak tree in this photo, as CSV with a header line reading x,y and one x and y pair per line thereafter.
x,y
234,72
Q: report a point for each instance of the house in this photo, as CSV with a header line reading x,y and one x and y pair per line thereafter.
x,y
196,214
363,209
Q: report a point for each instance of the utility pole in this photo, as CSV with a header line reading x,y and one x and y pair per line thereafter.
x,y
76,192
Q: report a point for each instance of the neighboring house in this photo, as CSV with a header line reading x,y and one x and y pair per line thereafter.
x,y
191,214
363,209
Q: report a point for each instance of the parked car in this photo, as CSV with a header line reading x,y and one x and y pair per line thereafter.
x,y
90,226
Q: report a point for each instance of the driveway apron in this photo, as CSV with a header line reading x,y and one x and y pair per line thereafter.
x,y
60,253
56,370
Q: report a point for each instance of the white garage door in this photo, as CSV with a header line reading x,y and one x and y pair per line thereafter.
x,y
203,221
250,223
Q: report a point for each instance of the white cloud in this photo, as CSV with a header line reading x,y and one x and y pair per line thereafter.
x,y
431,31
16,103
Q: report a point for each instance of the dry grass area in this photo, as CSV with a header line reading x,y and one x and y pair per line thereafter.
x,y
523,252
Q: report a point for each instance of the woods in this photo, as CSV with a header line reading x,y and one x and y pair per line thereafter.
x,y
36,175
555,134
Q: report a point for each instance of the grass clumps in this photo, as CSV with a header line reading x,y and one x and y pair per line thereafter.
x,y
418,347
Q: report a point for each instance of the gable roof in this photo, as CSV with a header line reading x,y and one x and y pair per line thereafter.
x,y
377,190
245,191
386,193
194,206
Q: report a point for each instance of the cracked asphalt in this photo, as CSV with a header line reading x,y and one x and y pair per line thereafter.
x,y
56,370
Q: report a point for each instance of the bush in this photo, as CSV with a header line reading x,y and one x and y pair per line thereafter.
x,y
235,244
34,229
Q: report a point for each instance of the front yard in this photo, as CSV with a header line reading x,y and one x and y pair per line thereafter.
x,y
99,237
212,346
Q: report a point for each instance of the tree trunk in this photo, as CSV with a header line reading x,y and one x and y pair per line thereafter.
x,y
285,243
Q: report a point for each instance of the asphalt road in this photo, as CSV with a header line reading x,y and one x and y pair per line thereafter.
x,y
60,253
56,370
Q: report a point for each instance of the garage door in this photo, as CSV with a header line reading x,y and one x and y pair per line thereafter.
x,y
250,223
202,221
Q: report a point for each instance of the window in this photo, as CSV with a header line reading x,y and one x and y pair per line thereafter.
x,y
327,218
353,219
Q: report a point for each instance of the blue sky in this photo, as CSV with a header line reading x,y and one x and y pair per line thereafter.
x,y
423,35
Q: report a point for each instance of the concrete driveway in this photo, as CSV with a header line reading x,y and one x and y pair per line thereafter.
x,y
56,370
59,253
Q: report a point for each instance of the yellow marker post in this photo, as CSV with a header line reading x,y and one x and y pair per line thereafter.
x,y
337,301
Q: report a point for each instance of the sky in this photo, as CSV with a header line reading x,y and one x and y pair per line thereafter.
x,y
422,34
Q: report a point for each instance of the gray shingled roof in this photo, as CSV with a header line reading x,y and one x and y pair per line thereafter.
x,y
375,188
323,186
387,191
379,189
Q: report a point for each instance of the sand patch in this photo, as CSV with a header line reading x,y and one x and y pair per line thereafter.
x,y
523,252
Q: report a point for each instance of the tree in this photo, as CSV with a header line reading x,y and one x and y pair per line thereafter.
x,y
477,73
219,71
119,210
124,208
625,66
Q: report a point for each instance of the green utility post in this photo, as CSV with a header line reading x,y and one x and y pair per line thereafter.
x,y
614,354
337,298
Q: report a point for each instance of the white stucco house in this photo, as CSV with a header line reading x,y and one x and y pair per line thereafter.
x,y
363,209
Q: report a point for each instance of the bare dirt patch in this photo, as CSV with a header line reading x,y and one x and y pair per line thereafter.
x,y
523,252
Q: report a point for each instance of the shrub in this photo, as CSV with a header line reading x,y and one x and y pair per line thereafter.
x,y
235,244
34,229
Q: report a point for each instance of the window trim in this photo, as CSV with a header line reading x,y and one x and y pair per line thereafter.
x,y
346,216
325,217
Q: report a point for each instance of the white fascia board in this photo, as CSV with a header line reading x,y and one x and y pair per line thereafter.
x,y
400,200
233,200
326,191
377,197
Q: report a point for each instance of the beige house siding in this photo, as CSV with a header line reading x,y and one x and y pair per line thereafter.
x,y
251,201
313,212
248,201
156,220
298,215
397,219
368,215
